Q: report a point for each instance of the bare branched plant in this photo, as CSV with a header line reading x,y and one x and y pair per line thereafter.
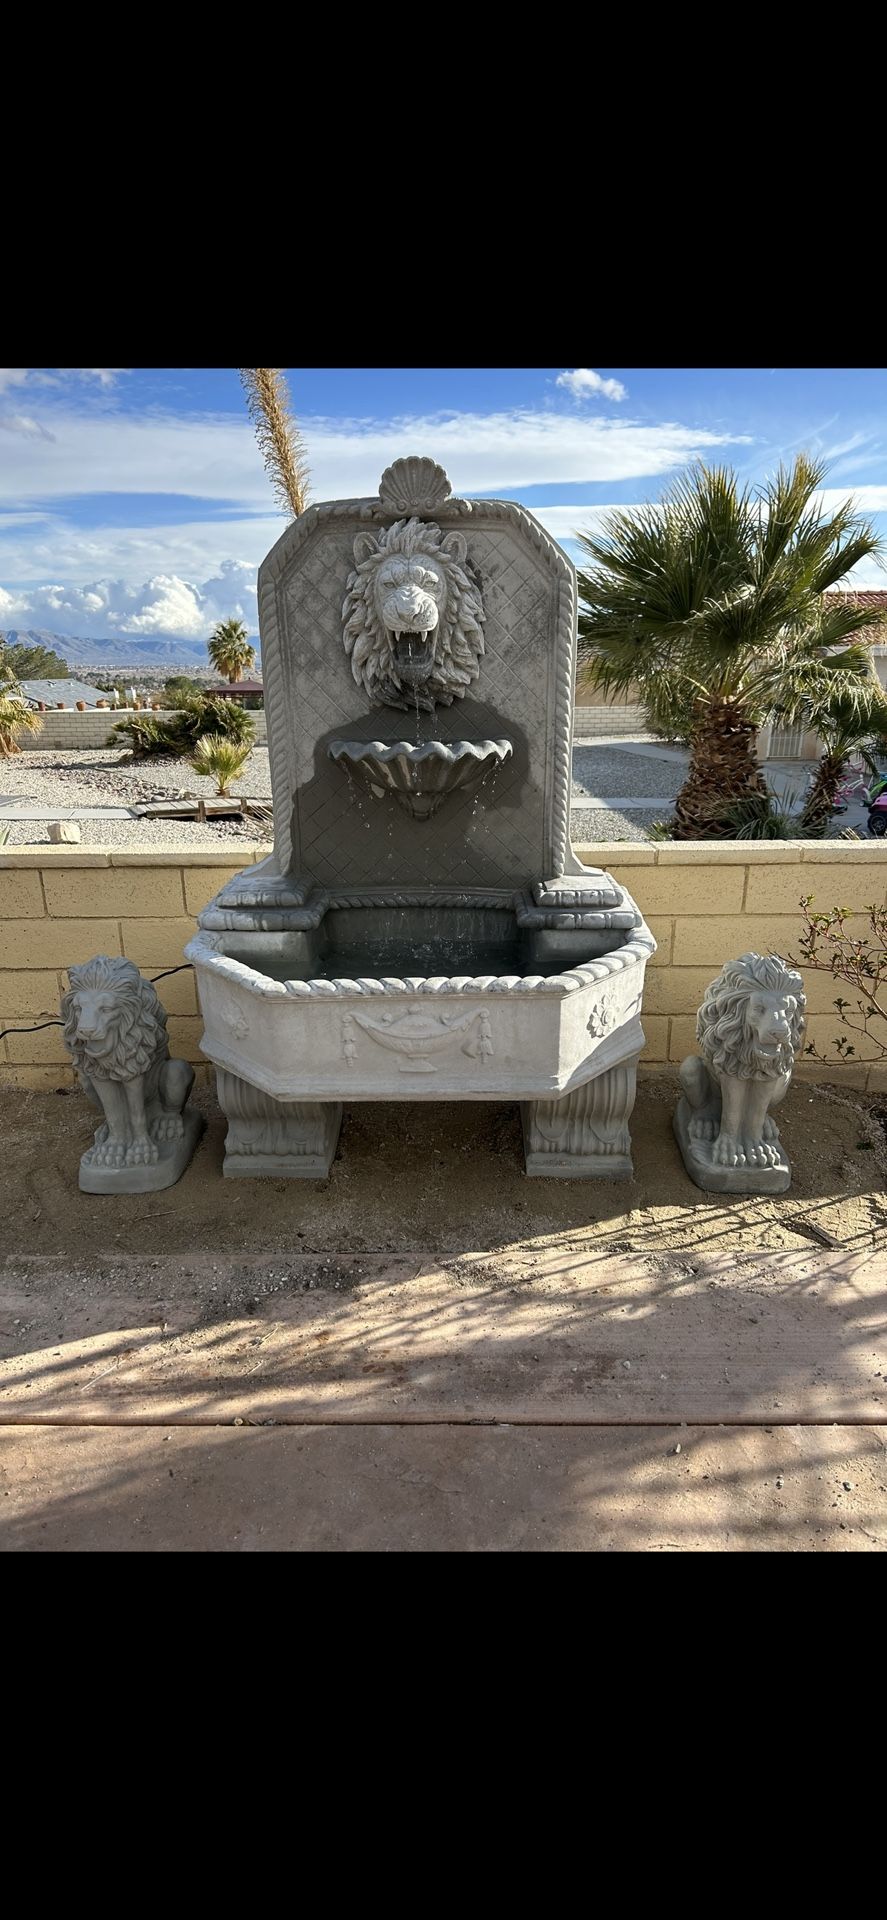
x,y
856,961
282,446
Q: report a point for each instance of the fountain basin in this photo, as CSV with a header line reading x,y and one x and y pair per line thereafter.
x,y
392,1001
419,777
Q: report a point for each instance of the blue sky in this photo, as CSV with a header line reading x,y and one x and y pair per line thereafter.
x,y
133,501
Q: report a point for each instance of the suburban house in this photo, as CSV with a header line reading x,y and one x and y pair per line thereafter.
x,y
54,693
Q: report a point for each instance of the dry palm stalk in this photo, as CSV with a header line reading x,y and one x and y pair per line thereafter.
x,y
283,449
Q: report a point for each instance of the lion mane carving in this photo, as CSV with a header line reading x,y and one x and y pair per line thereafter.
x,y
749,1030
413,616
114,1028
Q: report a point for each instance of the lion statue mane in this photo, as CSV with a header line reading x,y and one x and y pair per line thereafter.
x,y
413,616
133,1032
728,1040
114,1028
749,1031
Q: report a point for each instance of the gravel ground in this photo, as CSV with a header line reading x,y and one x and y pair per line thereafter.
x,y
110,778
608,772
588,824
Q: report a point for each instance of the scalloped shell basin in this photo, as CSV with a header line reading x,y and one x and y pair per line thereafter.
x,y
419,777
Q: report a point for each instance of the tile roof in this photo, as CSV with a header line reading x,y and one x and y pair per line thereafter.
x,y
869,598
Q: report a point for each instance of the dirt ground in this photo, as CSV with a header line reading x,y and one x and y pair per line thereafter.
x,y
446,1179
432,1353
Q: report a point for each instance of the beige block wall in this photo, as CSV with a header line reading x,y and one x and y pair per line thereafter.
x,y
68,731
705,904
61,905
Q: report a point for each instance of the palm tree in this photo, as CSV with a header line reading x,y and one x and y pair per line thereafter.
x,y
847,718
712,603
224,760
229,649
15,717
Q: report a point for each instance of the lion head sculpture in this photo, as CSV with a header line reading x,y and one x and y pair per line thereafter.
x,y
113,1024
752,1018
413,616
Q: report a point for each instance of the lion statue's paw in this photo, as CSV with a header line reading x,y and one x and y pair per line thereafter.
x,y
728,1151
700,1129
770,1131
109,1153
141,1153
168,1126
759,1153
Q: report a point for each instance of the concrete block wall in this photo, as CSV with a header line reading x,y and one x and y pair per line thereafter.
x,y
67,730
706,903
591,723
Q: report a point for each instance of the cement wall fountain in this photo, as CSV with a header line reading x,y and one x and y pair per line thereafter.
x,y
423,929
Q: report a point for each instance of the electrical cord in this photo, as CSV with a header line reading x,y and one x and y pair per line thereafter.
x,y
186,968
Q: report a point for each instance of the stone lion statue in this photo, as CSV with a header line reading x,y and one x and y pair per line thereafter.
x,y
413,616
114,1028
749,1029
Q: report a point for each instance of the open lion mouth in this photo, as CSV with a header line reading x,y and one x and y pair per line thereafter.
x,y
413,651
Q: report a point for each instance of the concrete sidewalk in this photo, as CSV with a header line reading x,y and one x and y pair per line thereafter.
x,y
537,1402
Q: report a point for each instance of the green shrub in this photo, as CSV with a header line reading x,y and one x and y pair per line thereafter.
x,y
145,735
212,713
178,733
760,817
224,760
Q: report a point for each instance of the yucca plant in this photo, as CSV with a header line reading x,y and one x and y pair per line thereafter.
x,y
712,603
223,760
847,719
230,651
15,719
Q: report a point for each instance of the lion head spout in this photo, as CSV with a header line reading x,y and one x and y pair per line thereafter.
x,y
413,616
113,1024
751,1020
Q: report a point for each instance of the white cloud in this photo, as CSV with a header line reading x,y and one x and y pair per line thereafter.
x,y
216,457
583,381
106,376
112,608
44,377
24,423
866,499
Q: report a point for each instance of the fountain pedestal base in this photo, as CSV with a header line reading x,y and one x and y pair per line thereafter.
x,y
584,1135
277,1139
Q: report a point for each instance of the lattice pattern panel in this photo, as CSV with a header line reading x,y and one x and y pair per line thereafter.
x,y
494,837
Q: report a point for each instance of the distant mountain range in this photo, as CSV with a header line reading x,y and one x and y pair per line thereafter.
x,y
163,650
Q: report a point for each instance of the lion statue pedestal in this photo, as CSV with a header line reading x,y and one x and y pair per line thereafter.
x,y
749,1030
114,1028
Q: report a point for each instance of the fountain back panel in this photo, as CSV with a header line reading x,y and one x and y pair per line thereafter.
x,y
419,663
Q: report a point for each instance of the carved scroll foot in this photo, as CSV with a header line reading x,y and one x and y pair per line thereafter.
x,y
584,1135
280,1139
